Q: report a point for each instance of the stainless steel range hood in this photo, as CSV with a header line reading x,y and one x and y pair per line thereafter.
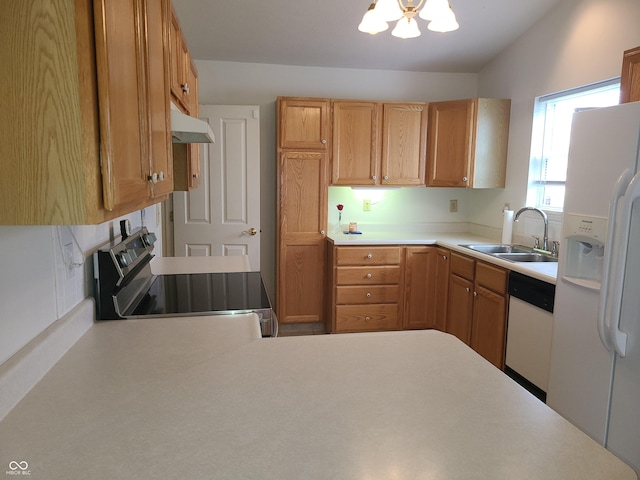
x,y
186,129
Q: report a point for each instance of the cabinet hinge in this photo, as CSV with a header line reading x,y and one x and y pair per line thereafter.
x,y
171,216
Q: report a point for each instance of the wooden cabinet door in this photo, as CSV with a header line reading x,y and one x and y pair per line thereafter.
x,y
125,153
302,191
441,288
450,143
158,98
356,150
630,79
460,308
404,136
489,325
303,124
420,288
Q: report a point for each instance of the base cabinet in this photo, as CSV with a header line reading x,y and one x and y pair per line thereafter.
x,y
366,285
477,306
420,287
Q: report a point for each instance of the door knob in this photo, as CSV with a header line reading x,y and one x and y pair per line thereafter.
x,y
252,231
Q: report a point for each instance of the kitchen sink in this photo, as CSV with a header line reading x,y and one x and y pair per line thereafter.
x,y
499,248
526,257
512,253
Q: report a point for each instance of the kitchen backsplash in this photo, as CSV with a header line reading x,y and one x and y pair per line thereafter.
x,y
47,270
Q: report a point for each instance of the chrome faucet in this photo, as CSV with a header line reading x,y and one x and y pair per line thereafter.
x,y
545,239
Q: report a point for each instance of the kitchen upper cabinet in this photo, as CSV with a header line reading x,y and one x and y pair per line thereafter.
x,y
630,79
82,98
420,287
404,136
303,177
304,123
378,143
184,94
467,143
356,142
477,306
184,75
133,86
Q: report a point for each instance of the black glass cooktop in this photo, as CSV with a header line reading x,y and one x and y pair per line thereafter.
x,y
202,293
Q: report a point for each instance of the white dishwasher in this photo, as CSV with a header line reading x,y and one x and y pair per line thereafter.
x,y
529,332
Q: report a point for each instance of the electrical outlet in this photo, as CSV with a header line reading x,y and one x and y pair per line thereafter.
x,y
366,205
453,206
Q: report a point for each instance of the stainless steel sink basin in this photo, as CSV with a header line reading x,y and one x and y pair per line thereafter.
x,y
513,253
526,257
499,248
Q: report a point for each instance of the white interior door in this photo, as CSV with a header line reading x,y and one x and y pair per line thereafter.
x,y
222,215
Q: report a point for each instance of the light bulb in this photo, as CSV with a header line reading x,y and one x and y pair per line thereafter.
x,y
371,22
406,28
445,23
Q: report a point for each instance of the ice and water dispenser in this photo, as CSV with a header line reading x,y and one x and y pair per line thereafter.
x,y
584,244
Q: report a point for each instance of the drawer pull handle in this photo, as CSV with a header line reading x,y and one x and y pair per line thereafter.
x,y
370,255
369,275
368,295
475,294
444,257
366,319
468,289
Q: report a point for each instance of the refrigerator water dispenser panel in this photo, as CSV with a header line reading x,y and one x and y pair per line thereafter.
x,y
584,249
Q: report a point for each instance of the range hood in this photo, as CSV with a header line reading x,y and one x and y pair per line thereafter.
x,y
186,129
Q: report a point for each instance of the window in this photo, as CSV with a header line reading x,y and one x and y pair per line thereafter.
x,y
552,118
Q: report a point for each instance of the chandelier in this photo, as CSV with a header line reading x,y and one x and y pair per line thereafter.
x,y
437,12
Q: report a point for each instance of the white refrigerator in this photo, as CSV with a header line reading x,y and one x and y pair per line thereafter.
x,y
594,378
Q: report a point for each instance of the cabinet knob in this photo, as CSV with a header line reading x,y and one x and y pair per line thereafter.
x,y
321,232
196,175
468,289
464,179
185,87
161,176
370,255
369,275
153,177
475,294
386,177
366,319
374,177
368,295
324,141
444,257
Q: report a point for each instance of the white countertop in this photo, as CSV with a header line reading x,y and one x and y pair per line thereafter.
x,y
172,398
545,271
208,264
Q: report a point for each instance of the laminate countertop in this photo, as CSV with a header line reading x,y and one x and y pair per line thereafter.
x,y
545,271
172,399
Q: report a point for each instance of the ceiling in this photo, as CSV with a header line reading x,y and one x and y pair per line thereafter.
x,y
324,33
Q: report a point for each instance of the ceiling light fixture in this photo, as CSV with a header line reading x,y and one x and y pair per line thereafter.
x,y
437,12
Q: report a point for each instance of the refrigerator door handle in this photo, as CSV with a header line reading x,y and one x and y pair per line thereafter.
x,y
617,193
617,336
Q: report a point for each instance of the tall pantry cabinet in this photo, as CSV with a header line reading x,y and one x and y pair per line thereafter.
x,y
302,189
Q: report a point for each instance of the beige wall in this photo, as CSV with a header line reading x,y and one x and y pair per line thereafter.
x,y
578,43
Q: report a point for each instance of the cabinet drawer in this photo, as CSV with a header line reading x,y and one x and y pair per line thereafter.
x,y
368,255
367,294
491,277
365,318
387,275
462,266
